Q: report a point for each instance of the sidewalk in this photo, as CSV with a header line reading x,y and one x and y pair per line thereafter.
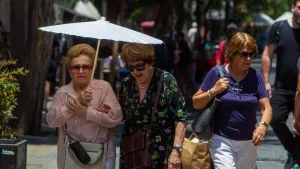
x,y
41,151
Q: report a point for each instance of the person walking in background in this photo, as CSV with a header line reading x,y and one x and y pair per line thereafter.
x,y
137,96
166,54
192,33
51,73
220,55
242,91
186,65
82,111
283,39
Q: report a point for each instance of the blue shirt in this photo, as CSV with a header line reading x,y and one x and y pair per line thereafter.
x,y
236,116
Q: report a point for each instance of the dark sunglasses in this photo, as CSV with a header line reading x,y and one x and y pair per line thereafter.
x,y
78,67
138,67
245,55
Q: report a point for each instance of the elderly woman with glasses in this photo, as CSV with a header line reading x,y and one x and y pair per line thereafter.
x,y
85,111
242,92
137,98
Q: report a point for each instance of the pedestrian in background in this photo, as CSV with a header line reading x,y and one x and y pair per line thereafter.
x,y
242,92
220,55
139,91
186,66
283,40
82,111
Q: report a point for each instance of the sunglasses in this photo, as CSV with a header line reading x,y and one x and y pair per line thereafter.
x,y
76,68
138,67
245,55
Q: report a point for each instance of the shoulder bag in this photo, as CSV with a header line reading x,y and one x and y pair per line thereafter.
x,y
203,124
135,147
83,155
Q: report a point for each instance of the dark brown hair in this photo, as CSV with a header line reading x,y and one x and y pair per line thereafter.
x,y
295,2
133,52
80,49
238,42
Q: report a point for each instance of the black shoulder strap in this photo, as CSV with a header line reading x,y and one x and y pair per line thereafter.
x,y
279,28
221,73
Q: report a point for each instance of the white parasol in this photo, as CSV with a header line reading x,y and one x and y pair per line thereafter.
x,y
102,29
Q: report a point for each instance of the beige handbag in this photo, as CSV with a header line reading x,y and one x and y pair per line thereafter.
x,y
97,153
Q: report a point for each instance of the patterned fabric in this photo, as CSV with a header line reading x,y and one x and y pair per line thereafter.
x,y
137,116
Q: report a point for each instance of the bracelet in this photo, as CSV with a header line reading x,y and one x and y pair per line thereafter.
x,y
264,123
209,95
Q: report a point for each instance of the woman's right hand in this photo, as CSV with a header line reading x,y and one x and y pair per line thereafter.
x,y
221,85
85,97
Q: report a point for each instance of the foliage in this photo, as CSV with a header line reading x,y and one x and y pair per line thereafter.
x,y
9,88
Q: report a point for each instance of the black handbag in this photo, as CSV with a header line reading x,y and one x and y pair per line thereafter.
x,y
203,124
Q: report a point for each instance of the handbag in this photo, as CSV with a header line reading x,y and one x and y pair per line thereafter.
x,y
203,124
83,155
135,147
195,154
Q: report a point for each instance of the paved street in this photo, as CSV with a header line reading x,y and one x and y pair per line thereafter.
x,y
42,150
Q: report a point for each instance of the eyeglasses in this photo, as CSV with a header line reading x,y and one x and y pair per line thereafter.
x,y
245,55
76,68
138,67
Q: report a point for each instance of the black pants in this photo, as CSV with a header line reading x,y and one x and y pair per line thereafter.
x,y
282,103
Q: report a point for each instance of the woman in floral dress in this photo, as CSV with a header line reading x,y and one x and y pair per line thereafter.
x,y
136,97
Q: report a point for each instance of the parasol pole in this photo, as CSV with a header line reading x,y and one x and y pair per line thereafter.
x,y
95,61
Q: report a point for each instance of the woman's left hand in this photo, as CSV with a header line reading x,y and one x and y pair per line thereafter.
x,y
75,106
259,135
174,161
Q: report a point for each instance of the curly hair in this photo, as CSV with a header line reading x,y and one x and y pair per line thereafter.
x,y
80,49
238,42
132,52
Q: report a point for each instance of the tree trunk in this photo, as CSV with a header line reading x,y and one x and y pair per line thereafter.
x,y
37,54
163,20
180,15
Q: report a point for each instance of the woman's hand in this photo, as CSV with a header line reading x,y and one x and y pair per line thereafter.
x,y
104,108
296,126
220,86
174,161
259,135
85,96
75,107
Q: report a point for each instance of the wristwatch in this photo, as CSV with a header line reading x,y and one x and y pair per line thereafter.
x,y
264,123
178,148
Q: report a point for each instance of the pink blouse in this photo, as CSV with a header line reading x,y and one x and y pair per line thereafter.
x,y
94,127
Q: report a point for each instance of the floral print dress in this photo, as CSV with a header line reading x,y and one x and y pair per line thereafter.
x,y
137,115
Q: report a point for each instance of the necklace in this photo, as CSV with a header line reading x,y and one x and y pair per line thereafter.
x,y
143,87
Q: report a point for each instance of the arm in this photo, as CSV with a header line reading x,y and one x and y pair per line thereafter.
x,y
296,121
267,56
266,61
179,134
266,110
58,113
177,106
260,131
113,117
201,98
